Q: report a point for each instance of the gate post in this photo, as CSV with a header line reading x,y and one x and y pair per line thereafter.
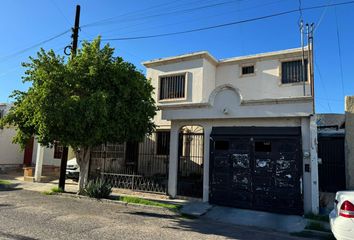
x,y
173,161
206,154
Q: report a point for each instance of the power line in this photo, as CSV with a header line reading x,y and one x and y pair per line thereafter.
x,y
339,52
322,16
4,58
323,85
99,22
182,11
227,24
189,21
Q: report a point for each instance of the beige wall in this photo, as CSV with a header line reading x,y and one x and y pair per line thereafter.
x,y
349,141
10,154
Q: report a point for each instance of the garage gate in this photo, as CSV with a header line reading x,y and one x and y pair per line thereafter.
x,y
257,168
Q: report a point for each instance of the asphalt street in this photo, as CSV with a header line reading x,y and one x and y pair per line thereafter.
x,y
28,215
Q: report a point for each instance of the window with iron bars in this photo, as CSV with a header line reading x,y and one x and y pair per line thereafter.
x,y
172,87
58,150
291,72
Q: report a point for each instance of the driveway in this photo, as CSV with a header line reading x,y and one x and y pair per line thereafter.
x,y
28,215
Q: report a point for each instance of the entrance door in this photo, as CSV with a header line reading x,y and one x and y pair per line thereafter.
x,y
190,162
257,172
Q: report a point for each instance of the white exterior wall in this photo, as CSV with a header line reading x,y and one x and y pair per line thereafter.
x,y
264,84
10,154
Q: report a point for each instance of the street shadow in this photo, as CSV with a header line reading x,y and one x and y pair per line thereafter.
x,y
153,215
16,236
208,227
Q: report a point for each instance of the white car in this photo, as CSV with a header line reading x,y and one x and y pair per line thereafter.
x,y
342,216
72,169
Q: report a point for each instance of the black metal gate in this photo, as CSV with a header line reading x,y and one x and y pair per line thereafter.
x,y
136,166
190,162
257,168
331,172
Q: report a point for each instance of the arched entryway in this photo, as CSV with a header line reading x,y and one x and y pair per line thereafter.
x,y
190,161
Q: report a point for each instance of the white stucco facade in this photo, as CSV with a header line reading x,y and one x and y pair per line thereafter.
x,y
10,154
218,95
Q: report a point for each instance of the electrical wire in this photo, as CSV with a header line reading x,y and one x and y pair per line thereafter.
x,y
339,52
4,58
226,24
323,85
182,11
322,16
102,21
186,21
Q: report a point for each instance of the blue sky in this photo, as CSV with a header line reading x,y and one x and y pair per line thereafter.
x,y
25,23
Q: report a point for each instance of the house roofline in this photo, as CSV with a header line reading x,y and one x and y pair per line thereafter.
x,y
212,59
183,57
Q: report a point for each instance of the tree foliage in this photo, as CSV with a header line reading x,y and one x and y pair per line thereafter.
x,y
87,100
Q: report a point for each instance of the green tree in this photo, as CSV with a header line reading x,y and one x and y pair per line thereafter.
x,y
82,102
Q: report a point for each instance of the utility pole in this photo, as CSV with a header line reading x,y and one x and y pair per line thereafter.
x,y
310,29
75,37
303,57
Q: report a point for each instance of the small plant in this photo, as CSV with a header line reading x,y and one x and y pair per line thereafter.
x,y
53,191
4,182
97,189
323,218
142,201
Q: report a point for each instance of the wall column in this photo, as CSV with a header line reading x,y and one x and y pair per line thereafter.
x,y
173,161
207,131
310,164
39,163
349,142
314,165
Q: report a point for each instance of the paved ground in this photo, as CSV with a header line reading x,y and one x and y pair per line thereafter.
x,y
27,215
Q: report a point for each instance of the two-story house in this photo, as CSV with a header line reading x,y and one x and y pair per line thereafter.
x,y
242,130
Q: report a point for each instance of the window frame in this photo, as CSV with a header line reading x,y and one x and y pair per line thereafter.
x,y
158,153
170,75
248,65
281,71
56,150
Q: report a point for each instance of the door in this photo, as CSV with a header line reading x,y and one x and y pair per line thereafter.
x,y
257,172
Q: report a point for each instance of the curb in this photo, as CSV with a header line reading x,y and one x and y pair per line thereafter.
x,y
70,195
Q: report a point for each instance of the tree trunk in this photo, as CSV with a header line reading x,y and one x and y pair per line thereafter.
x,y
83,160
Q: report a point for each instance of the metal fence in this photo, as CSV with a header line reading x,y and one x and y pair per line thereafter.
x,y
136,166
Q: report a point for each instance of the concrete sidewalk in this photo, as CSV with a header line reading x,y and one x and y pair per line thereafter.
x,y
243,217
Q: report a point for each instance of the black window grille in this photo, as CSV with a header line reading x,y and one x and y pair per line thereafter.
x,y
172,87
58,150
163,142
292,72
247,70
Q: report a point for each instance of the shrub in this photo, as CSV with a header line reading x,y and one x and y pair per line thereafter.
x,y
97,189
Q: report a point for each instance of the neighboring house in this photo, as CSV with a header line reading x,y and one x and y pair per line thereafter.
x,y
237,132
242,130
11,154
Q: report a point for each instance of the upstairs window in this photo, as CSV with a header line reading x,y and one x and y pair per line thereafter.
x,y
172,87
247,70
291,72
